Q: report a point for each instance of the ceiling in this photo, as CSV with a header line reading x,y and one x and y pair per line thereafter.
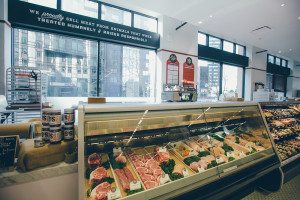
x,y
235,20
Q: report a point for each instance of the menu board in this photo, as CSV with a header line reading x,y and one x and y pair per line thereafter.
x,y
8,146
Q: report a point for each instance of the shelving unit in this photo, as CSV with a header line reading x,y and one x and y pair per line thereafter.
x,y
23,91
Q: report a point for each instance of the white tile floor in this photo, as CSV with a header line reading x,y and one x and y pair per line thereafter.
x,y
289,191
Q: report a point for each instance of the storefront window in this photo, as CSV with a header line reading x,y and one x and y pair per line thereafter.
x,y
67,73
228,46
214,42
240,50
146,23
48,3
202,39
232,81
115,15
81,7
208,80
126,71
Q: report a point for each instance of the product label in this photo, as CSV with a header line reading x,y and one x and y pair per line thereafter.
x,y
219,160
200,169
45,119
114,193
193,153
117,149
162,150
55,136
164,178
68,118
135,185
230,154
45,135
68,134
55,119
185,172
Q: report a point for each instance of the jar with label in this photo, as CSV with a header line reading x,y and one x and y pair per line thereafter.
x,y
69,131
45,132
45,116
69,115
54,117
55,134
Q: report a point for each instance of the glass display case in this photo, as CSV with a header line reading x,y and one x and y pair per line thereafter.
x,y
166,150
283,119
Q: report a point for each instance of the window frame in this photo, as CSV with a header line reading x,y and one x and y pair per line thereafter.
x,y
274,60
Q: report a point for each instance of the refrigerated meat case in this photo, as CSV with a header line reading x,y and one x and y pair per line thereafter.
x,y
283,119
217,149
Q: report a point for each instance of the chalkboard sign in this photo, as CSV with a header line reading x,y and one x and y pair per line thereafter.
x,y
7,150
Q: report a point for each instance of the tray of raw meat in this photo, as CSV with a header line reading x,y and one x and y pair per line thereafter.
x,y
99,177
169,162
125,174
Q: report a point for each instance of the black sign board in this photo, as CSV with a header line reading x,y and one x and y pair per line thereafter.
x,y
49,19
7,150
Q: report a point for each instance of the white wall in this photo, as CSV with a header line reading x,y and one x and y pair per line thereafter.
x,y
182,42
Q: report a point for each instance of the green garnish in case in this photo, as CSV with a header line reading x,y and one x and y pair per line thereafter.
x,y
191,159
203,153
130,192
168,167
174,176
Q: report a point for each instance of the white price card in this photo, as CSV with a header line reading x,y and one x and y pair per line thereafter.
x,y
230,154
114,193
200,169
162,150
135,185
164,178
250,148
117,149
193,153
219,160
242,154
202,149
185,172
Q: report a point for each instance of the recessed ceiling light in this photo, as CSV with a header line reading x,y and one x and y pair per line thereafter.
x,y
290,49
283,4
200,22
279,51
298,17
210,16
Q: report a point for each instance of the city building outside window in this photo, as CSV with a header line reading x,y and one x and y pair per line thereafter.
x,y
146,23
115,15
48,3
81,7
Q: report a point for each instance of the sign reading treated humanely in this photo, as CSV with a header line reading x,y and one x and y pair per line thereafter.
x,y
34,16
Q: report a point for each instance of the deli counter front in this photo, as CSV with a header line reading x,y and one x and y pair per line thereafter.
x,y
164,151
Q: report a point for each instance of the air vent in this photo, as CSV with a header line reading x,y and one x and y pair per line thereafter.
x,y
261,30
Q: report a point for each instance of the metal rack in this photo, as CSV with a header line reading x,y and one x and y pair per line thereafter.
x,y
23,91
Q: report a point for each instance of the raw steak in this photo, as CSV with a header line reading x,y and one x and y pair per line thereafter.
x,y
147,177
178,168
94,160
150,184
151,164
128,174
100,192
202,163
143,170
97,175
123,179
121,159
135,158
193,145
194,166
138,164
158,172
161,157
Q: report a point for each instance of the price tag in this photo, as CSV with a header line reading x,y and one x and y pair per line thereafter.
x,y
135,185
185,172
242,154
193,153
230,154
114,193
164,178
117,149
200,169
219,160
250,148
202,149
162,150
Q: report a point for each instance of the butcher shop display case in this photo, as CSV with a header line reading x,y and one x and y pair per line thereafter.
x,y
283,119
169,150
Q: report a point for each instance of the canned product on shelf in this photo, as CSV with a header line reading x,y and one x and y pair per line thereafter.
x,y
45,116
68,131
54,117
55,135
69,115
45,131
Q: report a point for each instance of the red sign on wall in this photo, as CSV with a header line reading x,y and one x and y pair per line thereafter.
x,y
188,72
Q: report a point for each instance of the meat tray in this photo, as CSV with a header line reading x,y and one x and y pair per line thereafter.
x,y
110,173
